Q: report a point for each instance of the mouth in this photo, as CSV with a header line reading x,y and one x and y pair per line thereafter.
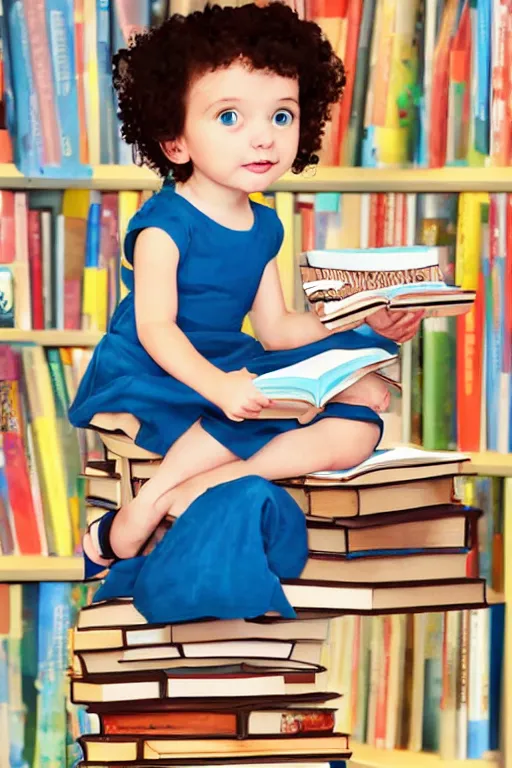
x,y
262,166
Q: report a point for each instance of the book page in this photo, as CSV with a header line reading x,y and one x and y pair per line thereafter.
x,y
319,365
394,456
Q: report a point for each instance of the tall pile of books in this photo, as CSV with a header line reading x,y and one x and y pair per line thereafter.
x,y
388,536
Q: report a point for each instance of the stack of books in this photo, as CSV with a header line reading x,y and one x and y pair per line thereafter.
x,y
388,536
211,692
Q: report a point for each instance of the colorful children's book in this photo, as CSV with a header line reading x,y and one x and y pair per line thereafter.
x,y
346,286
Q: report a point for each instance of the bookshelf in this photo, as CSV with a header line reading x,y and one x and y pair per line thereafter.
x,y
51,338
320,179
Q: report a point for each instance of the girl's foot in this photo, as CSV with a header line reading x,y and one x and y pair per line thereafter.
x,y
371,391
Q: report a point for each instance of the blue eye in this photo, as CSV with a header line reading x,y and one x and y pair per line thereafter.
x,y
229,117
282,118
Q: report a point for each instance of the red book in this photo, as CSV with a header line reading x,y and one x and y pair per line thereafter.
x,y
7,242
20,495
354,13
35,260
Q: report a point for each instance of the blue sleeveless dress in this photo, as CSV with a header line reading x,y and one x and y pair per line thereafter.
x,y
219,272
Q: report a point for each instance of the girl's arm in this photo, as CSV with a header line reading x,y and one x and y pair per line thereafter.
x,y
156,306
278,328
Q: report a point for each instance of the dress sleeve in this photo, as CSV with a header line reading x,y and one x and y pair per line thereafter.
x,y
157,212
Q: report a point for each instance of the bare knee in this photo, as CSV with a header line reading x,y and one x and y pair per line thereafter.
x,y
349,442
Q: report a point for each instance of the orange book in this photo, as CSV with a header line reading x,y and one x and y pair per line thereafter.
x,y
331,17
354,13
440,86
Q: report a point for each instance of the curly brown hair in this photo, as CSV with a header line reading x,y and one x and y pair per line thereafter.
x,y
153,74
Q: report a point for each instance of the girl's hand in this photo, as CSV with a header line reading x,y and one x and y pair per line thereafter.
x,y
397,326
238,397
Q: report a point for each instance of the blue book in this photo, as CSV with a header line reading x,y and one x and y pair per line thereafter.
x,y
54,621
108,121
6,298
61,34
315,381
483,54
28,141
496,653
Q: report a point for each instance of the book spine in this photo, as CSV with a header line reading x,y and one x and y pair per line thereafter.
x,y
41,67
54,621
28,137
482,106
108,123
478,689
433,682
59,16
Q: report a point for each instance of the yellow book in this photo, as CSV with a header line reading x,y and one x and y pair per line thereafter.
x,y
395,74
285,257
128,205
91,88
467,258
50,461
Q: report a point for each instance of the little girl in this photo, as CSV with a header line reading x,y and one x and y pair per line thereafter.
x,y
224,101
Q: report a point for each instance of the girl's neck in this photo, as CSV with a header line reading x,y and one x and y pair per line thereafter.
x,y
229,207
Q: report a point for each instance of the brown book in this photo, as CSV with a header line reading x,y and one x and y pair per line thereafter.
x,y
316,699
441,528
386,597
121,613
169,657
239,724
228,681
338,501
117,749
420,567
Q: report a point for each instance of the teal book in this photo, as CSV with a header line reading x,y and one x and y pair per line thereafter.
x,y
29,657
439,384
433,682
315,381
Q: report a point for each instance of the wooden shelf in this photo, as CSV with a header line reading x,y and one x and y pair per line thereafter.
x,y
332,179
319,179
104,177
491,463
51,338
18,568
364,756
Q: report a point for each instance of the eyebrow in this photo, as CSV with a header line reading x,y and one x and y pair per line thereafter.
x,y
218,102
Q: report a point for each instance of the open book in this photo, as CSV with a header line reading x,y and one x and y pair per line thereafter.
x,y
345,286
393,465
305,387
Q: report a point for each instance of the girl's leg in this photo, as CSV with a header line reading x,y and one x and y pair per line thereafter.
x,y
194,452
327,444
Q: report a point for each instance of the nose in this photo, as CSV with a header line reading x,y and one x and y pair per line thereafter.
x,y
262,135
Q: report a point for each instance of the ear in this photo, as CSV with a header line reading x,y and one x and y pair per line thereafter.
x,y
176,150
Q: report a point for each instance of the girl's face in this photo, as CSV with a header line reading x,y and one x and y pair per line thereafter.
x,y
242,127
